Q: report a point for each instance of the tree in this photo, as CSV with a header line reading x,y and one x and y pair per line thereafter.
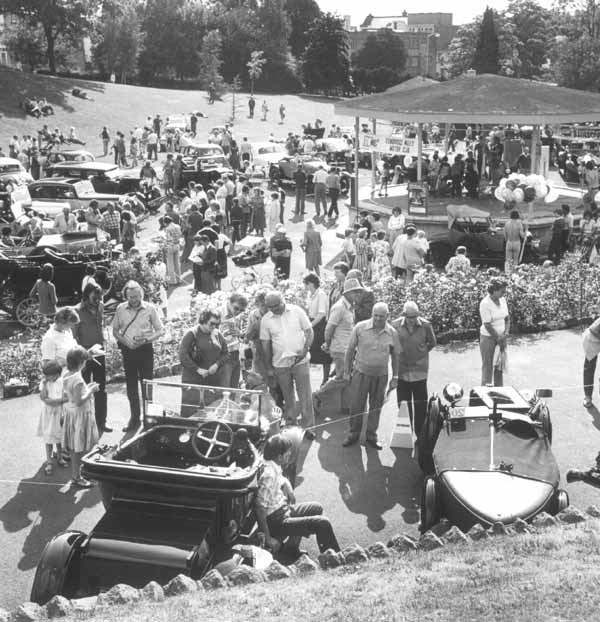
x,y
325,63
27,44
119,39
380,62
69,19
486,57
302,14
210,61
461,50
255,67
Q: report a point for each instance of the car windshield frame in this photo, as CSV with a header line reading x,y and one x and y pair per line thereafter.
x,y
9,169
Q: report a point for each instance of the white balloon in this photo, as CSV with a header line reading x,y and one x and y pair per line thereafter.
x,y
541,190
531,180
597,197
519,195
514,176
502,183
521,178
499,193
509,195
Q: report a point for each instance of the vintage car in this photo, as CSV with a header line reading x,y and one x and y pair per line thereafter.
x,y
76,192
67,155
282,172
267,153
105,177
69,253
250,251
332,149
204,163
488,460
475,229
179,494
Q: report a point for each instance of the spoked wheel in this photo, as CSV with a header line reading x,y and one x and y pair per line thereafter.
x,y
430,512
546,422
8,297
26,312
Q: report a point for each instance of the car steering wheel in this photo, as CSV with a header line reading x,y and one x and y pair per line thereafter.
x,y
207,443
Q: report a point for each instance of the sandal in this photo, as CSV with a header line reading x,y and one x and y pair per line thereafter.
x,y
48,469
62,463
82,483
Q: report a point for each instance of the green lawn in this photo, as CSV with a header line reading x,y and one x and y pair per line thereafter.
x,y
549,576
122,107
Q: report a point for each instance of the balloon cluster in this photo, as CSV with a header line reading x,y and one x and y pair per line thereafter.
x,y
519,188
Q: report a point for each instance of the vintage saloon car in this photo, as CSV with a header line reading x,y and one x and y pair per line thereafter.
x,y
178,494
489,460
76,192
105,177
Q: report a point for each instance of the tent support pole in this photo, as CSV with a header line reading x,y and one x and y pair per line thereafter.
x,y
419,152
356,148
534,143
373,160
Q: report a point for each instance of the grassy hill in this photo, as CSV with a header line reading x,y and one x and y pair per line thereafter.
x,y
122,107
548,576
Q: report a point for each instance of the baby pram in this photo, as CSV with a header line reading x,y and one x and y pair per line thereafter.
x,y
250,251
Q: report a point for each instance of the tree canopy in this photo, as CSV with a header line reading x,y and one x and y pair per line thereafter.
x,y
486,56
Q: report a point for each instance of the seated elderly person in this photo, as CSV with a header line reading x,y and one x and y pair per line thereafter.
x,y
277,512
460,262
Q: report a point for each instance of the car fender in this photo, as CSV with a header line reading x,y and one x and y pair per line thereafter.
x,y
53,569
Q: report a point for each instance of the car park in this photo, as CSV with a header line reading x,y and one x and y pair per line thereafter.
x,y
488,459
204,163
178,495
78,193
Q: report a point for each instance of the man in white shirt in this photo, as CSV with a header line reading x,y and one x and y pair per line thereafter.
x,y
152,142
65,221
320,184
286,335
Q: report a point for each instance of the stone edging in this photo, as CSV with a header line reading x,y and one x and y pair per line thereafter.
x,y
439,536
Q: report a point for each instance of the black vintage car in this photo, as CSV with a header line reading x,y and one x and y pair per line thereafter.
x,y
477,231
106,178
178,495
204,164
68,253
488,460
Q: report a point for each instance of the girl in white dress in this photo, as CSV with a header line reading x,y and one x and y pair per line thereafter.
x,y
50,424
80,433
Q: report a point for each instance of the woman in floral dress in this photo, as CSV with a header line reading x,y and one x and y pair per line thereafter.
x,y
382,268
361,261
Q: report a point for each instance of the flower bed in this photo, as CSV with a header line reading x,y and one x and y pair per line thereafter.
x,y
537,300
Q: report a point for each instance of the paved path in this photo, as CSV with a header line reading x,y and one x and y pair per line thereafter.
x,y
369,495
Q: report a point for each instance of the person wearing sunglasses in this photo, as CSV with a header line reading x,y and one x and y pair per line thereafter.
x,y
204,357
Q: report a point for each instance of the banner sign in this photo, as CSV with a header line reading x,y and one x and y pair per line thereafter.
x,y
389,144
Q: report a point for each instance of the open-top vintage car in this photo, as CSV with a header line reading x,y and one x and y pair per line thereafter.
x,y
489,460
474,228
178,495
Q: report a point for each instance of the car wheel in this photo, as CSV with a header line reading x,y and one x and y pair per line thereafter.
x,y
8,297
26,312
430,513
546,422
562,500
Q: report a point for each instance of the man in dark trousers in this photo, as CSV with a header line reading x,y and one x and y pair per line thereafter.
x,y
193,124
251,106
88,333
280,249
300,181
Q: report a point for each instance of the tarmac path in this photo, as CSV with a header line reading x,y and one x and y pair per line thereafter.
x,y
369,495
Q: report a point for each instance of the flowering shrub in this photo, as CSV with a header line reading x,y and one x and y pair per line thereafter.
x,y
137,269
537,300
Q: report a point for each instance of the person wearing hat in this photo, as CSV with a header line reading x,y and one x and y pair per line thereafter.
x,y
336,339
413,253
364,300
417,339
372,343
460,262
280,251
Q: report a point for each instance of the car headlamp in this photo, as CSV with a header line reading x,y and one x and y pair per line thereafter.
x,y
453,392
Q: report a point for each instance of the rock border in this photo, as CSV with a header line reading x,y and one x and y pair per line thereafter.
x,y
439,536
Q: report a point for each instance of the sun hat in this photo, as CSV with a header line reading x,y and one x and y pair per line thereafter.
x,y
352,285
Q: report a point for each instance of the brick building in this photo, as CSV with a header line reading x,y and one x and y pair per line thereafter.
x,y
425,36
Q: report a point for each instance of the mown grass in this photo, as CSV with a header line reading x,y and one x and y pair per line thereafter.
x,y
540,577
122,107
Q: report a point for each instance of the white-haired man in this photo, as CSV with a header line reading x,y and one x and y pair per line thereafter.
x,y
135,326
372,344
417,339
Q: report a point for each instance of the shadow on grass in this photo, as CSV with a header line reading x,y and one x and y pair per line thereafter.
x,y
17,85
